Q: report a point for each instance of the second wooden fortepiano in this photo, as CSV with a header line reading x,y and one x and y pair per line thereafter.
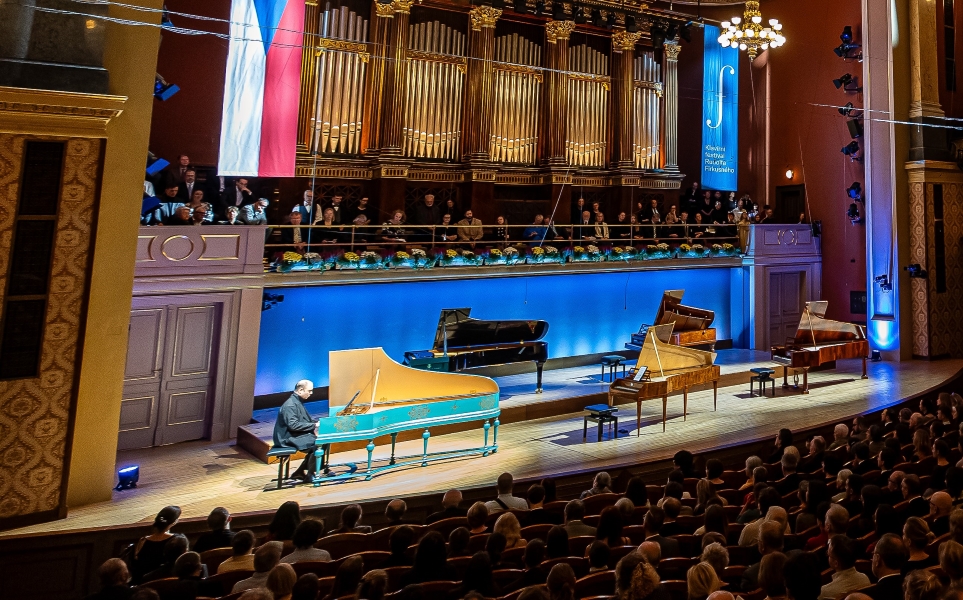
x,y
819,341
692,326
662,369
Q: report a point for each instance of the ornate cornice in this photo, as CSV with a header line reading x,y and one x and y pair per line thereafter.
x,y
558,30
402,6
386,11
325,44
672,51
523,69
57,113
483,16
623,40
650,85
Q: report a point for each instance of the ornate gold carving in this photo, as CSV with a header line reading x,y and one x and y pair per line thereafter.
x,y
623,40
309,170
418,412
432,57
486,404
660,184
483,16
558,30
672,51
57,113
524,69
346,424
402,6
386,11
605,80
650,85
447,176
325,44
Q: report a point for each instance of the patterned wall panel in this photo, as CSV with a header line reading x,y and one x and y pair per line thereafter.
x,y
35,412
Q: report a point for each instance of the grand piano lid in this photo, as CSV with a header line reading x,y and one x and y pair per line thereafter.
x,y
686,318
456,329
663,358
815,329
383,382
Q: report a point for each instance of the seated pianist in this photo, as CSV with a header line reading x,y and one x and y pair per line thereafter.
x,y
296,429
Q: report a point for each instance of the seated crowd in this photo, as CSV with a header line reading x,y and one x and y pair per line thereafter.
x,y
873,514
176,197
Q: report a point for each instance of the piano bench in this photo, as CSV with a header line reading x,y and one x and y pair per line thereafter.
x,y
283,454
762,377
601,414
612,361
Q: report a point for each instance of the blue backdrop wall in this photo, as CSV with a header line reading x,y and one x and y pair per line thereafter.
x,y
587,313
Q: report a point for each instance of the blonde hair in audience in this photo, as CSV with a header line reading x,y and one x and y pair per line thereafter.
x,y
921,585
918,532
702,580
508,526
951,560
281,580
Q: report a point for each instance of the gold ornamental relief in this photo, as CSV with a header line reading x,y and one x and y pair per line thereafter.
x,y
386,11
558,30
623,40
402,6
484,16
672,51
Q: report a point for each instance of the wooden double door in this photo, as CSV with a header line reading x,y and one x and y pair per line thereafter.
x,y
785,305
170,374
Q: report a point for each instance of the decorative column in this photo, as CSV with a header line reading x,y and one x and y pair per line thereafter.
x,y
670,102
477,122
555,92
309,77
623,56
929,141
395,79
374,87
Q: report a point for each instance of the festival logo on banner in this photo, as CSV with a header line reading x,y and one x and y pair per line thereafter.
x,y
720,114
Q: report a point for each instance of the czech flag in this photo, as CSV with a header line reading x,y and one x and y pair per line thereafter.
x,y
262,88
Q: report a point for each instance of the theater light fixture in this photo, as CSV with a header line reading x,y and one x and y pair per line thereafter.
x,y
855,191
853,214
749,34
127,478
916,271
162,89
847,46
847,35
155,165
847,83
789,173
848,109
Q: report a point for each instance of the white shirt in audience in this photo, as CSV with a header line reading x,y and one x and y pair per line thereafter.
x,y
258,580
509,501
307,555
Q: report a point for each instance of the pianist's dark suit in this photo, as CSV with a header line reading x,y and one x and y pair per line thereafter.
x,y
295,429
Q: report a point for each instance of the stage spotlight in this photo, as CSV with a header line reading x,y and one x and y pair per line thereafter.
x,y
883,282
846,83
843,50
847,35
597,18
166,18
127,478
855,191
916,271
630,24
847,109
162,89
851,148
875,356
539,7
579,15
558,11
853,214
155,165
855,128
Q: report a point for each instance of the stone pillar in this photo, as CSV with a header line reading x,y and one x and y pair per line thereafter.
x,y
926,143
670,102
623,84
477,122
555,92
885,148
395,79
374,88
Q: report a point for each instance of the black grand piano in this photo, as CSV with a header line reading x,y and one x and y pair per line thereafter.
x,y
468,342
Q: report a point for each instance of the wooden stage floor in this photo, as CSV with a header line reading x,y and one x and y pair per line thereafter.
x,y
198,476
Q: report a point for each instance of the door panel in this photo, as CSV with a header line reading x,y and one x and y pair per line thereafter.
x,y
193,334
785,306
145,345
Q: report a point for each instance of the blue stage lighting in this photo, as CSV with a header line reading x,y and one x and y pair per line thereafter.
x,y
127,478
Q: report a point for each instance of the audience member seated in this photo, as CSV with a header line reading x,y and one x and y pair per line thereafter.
x,y
916,536
609,530
893,493
255,214
267,557
601,485
790,479
840,436
174,547
556,543
912,488
398,543
716,521
922,585
889,558
534,574
951,562
189,571
346,578
771,539
508,526
574,513
232,216
395,512
280,581
350,521
305,536
814,460
716,555
220,534
864,522
495,547
148,553
505,500
702,581
470,230
636,492
478,578
672,507
458,541
706,495
430,562
373,586
842,560
939,518
477,518
561,582
285,521
449,508
652,524
861,463
772,578
537,514
114,581
598,554
815,494
242,558
637,579
767,499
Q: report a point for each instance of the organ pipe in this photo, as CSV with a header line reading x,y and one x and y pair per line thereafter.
x,y
518,87
588,103
647,111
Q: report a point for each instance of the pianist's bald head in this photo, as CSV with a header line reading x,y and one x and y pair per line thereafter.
x,y
304,388
451,499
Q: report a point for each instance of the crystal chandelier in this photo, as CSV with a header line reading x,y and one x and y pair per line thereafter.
x,y
749,34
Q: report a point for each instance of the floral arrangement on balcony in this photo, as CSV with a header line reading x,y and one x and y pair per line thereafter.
x,y
309,261
451,258
545,254
660,251
498,256
692,251
724,250
589,253
625,253
416,259
352,260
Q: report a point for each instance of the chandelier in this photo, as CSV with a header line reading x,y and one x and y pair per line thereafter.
x,y
749,34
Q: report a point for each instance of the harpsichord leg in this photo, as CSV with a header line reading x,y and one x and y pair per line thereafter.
x,y
486,427
318,465
370,448
865,376
495,436
538,380
394,438
424,458
805,381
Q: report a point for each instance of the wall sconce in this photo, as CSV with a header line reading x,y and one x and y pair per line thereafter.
x,y
789,173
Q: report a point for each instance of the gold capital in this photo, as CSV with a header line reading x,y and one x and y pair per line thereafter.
x,y
624,40
384,10
558,30
672,51
483,16
402,6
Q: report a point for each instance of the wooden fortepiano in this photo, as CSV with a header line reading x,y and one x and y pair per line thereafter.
x,y
692,325
471,342
819,341
662,369
371,395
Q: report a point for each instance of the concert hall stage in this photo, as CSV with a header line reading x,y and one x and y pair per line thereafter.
x,y
198,476
565,390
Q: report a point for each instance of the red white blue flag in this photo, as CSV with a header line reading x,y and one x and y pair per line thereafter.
x,y
262,88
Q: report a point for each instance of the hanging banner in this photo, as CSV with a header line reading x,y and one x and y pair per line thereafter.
x,y
720,114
